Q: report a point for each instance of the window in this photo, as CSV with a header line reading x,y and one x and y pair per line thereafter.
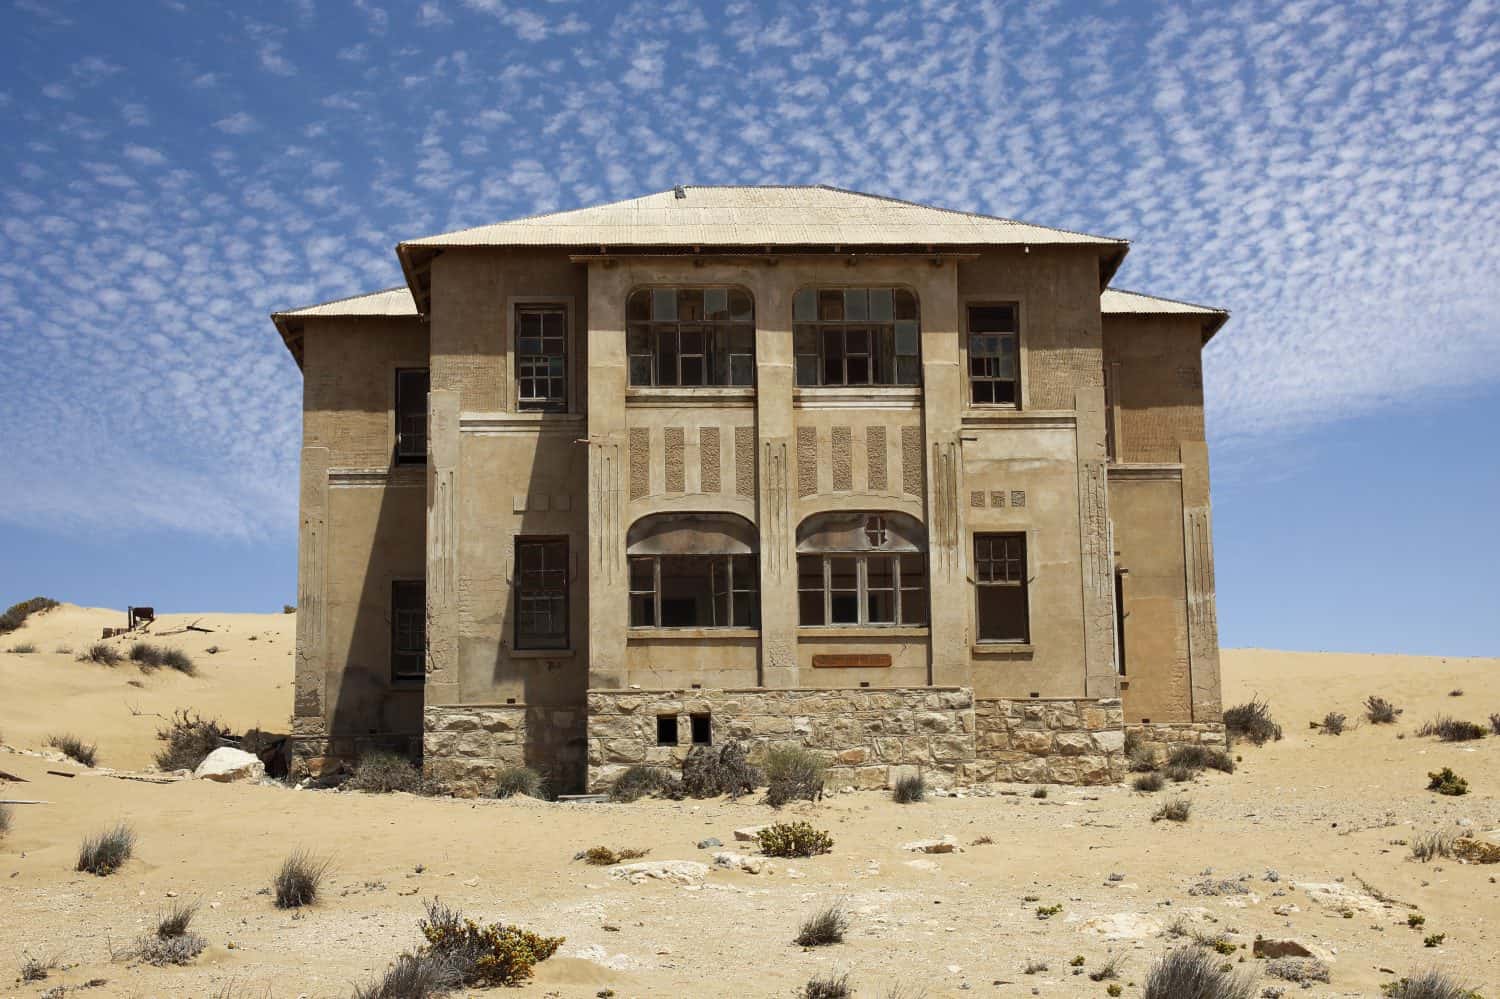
x,y
856,336
541,593
666,730
703,730
690,337
861,569
408,631
993,368
694,591
411,416
542,357
1000,578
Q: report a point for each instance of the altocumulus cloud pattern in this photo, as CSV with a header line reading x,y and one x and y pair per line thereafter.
x,y
172,172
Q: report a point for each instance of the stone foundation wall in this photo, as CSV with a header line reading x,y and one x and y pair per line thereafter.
x,y
466,746
1048,741
313,752
865,733
1158,738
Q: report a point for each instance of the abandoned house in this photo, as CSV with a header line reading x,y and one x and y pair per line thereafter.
x,y
913,487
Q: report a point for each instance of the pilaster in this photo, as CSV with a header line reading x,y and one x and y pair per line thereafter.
x,y
1096,551
605,383
1198,556
443,483
311,675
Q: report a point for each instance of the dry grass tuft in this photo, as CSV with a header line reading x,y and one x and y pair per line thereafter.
x,y
909,790
414,976
299,879
1176,810
1148,782
824,927
829,986
1200,757
523,781
24,649
101,653
1430,984
1252,722
105,853
1191,973
381,771
74,748
1428,846
1450,729
793,774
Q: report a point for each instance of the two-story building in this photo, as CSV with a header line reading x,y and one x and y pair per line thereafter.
x,y
911,486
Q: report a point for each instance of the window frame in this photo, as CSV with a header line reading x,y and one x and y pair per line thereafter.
x,y
560,641
1023,584
829,332
733,593
717,340
897,589
541,306
418,675
406,456
1019,381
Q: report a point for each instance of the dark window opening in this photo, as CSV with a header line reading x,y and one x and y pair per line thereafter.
x,y
856,336
1120,618
694,591
542,357
541,586
703,730
690,337
861,589
994,377
408,631
666,730
411,416
1000,584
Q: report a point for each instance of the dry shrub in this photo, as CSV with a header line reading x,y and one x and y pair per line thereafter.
x,y
74,748
24,649
1332,724
1200,757
639,781
1298,969
793,773
793,839
146,655
299,879
1450,729
1176,810
1380,711
496,954
36,969
381,771
708,773
603,856
1427,846
826,926
1252,722
1180,774
1191,973
523,781
1429,984
15,615
172,942
414,976
910,790
176,659
1110,969
1445,781
1148,782
102,653
829,986
190,738
106,852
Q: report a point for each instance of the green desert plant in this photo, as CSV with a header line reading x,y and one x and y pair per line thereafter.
x,y
1148,782
793,773
826,926
1197,756
381,771
1380,711
1449,729
1252,722
1445,781
189,739
492,955
102,653
1191,973
1176,810
297,882
909,790
74,748
106,852
793,839
16,614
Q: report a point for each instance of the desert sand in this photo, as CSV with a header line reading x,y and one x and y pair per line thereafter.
x,y
1311,828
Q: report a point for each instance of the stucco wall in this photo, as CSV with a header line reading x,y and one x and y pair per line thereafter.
x,y
1156,386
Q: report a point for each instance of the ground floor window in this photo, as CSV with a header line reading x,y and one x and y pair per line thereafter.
x,y
694,591
858,589
541,586
408,630
1000,585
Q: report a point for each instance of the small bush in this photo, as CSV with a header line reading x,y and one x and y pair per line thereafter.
x,y
176,920
105,853
101,653
826,926
1148,782
1048,911
1427,846
1431,984
189,739
74,748
1445,781
171,943
24,649
1495,724
491,955
1380,711
413,976
793,839
1252,722
603,856
909,790
288,608
1456,692
299,879
637,782
146,655
16,614
1039,792
1298,969
1180,774
176,659
1452,729
1176,810
36,969
708,772
829,986
1109,970
1190,973
1200,757
381,771
1034,967
523,781
1332,724
1434,940
793,774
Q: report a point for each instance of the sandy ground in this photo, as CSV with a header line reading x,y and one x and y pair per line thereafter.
x,y
1313,809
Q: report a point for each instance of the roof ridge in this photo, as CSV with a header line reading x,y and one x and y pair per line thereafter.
x,y
346,298
1163,298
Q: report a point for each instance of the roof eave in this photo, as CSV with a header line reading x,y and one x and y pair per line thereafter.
x,y
290,328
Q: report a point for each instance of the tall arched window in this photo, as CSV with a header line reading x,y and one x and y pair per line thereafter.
x,y
695,570
861,568
856,336
690,337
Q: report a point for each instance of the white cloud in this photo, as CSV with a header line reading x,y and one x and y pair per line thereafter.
x,y
239,123
145,155
430,14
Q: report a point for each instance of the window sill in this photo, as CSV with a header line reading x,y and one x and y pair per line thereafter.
x,y
862,631
540,653
1019,650
409,683
857,396
674,634
705,395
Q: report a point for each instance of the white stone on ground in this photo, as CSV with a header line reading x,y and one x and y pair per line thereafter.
x,y
227,764
682,872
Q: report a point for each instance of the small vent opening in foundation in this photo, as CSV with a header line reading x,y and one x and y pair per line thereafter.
x,y
864,683
1035,694
510,700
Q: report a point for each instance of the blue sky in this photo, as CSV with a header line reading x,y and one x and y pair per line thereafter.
x,y
173,172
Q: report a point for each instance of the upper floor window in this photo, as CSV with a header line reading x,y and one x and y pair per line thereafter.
x,y
861,569
1000,579
541,587
994,373
693,571
408,630
542,357
856,336
690,337
411,415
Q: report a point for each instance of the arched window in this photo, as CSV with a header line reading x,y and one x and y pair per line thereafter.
x,y
856,336
861,568
690,337
695,570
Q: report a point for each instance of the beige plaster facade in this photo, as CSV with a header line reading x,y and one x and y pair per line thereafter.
x,y
1096,472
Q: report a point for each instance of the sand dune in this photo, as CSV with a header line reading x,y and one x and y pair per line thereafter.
x,y
1312,810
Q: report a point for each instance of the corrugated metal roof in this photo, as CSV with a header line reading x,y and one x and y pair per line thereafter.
x,y
760,216
389,302
1120,302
